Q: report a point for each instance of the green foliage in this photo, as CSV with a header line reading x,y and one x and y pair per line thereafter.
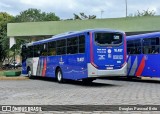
x,y
83,16
4,40
146,13
76,17
30,15
34,15
4,17
1,73
143,13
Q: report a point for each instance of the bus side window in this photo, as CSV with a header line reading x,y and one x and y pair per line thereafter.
x,y
157,43
151,46
157,49
134,47
128,47
44,49
52,48
30,51
72,45
145,50
37,50
81,44
61,47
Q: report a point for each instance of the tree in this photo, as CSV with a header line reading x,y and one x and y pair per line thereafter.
x,y
34,15
83,16
76,17
4,40
31,15
0,51
143,13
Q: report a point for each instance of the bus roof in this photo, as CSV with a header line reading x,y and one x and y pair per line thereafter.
x,y
71,33
147,35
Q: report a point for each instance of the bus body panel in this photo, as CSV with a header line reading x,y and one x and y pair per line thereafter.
x,y
29,64
78,66
107,60
151,66
51,66
24,67
93,72
144,65
73,67
133,64
109,57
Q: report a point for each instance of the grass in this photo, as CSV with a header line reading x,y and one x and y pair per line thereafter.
x,y
1,73
3,77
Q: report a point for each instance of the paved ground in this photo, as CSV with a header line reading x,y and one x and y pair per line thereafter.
x,y
101,92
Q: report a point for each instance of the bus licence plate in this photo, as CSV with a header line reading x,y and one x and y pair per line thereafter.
x,y
109,68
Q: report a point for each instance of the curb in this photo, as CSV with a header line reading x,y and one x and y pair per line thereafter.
x,y
13,78
149,78
145,78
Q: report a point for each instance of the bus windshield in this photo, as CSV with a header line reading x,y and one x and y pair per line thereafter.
x,y
108,39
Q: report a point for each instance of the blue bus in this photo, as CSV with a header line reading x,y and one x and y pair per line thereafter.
x,y
143,55
80,55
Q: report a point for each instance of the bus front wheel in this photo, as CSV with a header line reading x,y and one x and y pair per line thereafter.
x,y
29,73
59,76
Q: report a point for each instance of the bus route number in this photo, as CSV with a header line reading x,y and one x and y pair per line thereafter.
x,y
81,59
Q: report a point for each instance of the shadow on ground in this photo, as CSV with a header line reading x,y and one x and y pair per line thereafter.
x,y
78,83
134,79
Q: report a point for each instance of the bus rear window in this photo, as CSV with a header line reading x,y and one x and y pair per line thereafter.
x,y
108,39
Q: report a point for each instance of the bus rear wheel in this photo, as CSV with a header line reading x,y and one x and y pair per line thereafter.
x,y
59,76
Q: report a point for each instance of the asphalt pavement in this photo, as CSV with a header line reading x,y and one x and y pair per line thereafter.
x,y
42,91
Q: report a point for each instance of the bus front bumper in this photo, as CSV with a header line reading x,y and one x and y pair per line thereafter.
x,y
94,72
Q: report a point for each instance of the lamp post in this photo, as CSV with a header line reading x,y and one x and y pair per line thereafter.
x,y
102,13
126,7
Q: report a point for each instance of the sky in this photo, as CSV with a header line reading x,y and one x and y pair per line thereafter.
x,y
65,8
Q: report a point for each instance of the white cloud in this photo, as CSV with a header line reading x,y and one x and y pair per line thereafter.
x,y
4,5
65,8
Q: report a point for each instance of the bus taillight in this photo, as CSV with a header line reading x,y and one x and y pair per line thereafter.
x,y
94,65
91,51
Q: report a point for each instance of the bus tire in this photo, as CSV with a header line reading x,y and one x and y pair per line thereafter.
x,y
59,75
29,73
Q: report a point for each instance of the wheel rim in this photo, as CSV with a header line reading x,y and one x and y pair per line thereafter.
x,y
29,73
59,76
